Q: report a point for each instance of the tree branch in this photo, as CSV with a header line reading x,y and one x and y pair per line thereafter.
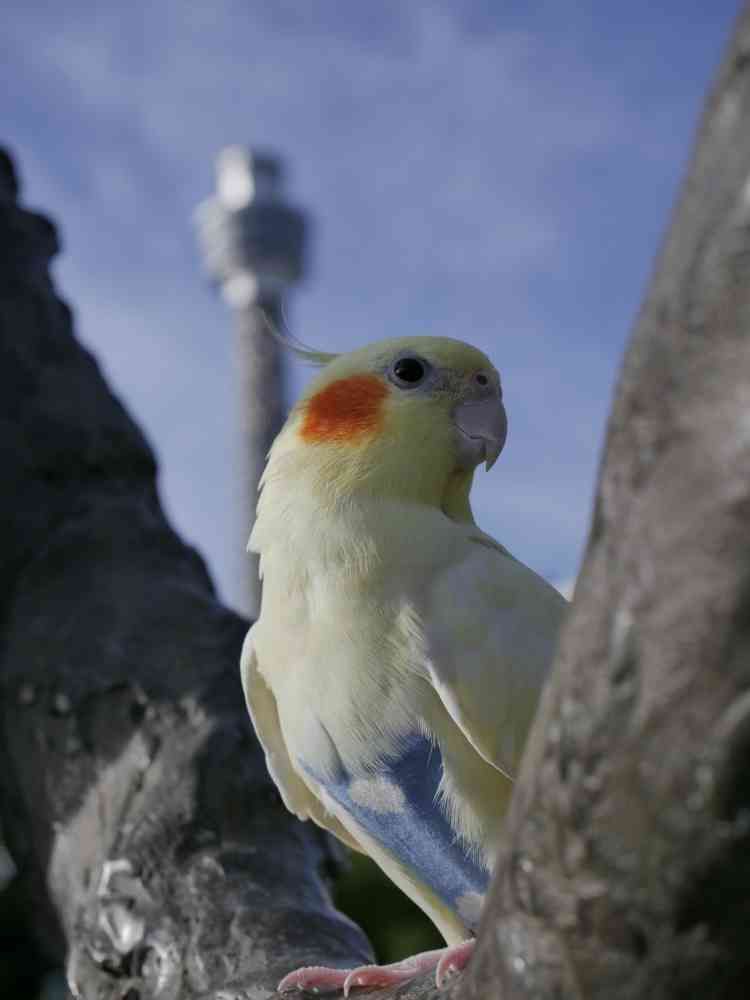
x,y
626,867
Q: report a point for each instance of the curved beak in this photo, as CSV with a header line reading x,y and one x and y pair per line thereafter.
x,y
484,427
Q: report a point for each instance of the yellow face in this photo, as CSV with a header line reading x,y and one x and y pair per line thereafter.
x,y
405,416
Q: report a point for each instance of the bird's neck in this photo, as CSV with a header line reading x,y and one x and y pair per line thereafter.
x,y
455,501
332,521
420,471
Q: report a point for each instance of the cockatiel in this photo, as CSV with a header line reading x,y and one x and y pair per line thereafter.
x,y
395,667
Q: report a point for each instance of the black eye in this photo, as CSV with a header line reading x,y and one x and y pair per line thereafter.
x,y
481,379
408,371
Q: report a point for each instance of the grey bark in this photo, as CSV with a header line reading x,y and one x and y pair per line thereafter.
x,y
625,871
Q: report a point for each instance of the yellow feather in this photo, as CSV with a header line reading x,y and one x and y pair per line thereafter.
x,y
386,610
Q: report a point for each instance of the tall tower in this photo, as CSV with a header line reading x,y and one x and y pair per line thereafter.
x,y
253,245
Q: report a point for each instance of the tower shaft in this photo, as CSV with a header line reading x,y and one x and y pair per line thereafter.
x,y
253,244
260,377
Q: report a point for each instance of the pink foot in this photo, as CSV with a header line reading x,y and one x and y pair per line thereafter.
x,y
392,975
453,960
314,978
317,978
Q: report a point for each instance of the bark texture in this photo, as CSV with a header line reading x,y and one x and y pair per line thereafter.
x,y
626,868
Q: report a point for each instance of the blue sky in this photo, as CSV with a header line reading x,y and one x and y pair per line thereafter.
x,y
498,172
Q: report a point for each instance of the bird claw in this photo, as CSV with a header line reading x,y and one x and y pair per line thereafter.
x,y
381,975
447,962
453,960
314,978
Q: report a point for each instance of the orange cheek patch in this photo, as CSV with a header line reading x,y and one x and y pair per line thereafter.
x,y
345,410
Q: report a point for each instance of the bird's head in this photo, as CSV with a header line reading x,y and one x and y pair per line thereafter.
x,y
404,418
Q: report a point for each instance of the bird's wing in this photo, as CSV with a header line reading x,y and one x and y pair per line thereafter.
x,y
297,796
492,628
395,809
388,807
